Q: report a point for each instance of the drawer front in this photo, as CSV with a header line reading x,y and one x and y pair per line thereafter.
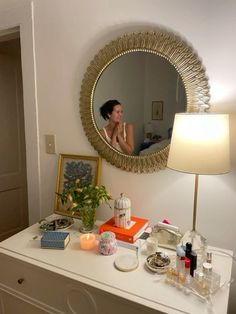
x,y
10,304
59,294
44,286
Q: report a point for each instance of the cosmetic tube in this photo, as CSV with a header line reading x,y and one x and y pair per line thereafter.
x,y
193,262
188,249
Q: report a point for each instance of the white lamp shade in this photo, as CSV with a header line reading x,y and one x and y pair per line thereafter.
x,y
200,143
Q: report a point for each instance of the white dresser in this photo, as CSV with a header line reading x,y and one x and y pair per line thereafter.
x,y
35,280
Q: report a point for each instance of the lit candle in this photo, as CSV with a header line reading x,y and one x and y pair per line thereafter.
x,y
87,241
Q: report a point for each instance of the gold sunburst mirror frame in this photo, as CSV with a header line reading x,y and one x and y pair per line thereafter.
x,y
161,43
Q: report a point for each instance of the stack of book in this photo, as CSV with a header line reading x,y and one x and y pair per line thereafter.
x,y
135,230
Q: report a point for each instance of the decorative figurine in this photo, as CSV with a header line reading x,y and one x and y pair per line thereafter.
x,y
122,212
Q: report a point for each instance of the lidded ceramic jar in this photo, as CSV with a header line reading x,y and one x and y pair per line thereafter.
x,y
107,244
122,212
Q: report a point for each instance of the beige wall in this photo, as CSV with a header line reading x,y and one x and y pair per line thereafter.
x,y
69,33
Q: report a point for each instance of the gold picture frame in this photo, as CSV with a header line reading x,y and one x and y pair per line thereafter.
x,y
157,110
71,168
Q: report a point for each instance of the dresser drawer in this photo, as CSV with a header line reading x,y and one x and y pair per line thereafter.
x,y
44,286
59,294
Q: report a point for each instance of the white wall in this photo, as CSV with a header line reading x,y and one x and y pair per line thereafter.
x,y
161,84
67,36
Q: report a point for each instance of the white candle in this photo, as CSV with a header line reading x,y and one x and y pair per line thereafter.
x,y
87,241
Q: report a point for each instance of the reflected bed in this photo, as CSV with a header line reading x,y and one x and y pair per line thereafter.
x,y
155,147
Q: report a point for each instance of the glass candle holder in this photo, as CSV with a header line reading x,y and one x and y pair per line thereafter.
x,y
87,241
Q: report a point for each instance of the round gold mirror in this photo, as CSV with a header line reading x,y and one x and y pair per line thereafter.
x,y
153,75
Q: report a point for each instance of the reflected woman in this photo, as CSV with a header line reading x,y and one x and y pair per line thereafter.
x,y
117,133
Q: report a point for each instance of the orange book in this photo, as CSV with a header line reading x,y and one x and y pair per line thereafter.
x,y
137,227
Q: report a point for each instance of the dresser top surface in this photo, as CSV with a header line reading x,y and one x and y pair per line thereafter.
x,y
94,269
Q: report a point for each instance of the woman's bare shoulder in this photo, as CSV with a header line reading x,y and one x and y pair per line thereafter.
x,y
128,125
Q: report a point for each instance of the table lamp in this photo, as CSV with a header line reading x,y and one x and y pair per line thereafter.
x,y
199,145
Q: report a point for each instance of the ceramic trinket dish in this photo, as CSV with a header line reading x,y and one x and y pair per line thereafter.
x,y
56,224
158,262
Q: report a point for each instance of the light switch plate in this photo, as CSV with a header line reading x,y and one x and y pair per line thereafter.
x,y
50,144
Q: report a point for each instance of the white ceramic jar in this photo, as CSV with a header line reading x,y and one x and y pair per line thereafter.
x,y
122,212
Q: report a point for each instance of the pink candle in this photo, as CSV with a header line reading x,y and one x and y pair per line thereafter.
x,y
87,241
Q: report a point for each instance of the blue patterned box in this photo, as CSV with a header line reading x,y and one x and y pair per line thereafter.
x,y
55,240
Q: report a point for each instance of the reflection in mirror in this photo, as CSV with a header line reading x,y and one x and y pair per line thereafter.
x,y
117,133
139,81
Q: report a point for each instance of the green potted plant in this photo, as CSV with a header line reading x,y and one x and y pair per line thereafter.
x,y
84,199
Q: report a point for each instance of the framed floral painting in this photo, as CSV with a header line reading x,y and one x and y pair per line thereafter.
x,y
71,168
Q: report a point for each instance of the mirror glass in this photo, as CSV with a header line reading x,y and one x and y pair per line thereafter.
x,y
150,92
153,75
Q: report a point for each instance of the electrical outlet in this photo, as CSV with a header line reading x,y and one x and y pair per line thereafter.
x,y
50,144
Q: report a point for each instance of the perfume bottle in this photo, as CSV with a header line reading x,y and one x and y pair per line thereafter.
x,y
180,258
171,276
212,278
188,284
209,257
200,284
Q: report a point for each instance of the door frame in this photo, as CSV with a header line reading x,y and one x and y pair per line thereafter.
x,y
23,17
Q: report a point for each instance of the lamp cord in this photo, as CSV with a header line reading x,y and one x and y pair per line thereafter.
x,y
224,253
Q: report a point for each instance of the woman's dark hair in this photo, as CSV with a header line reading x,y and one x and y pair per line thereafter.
x,y
108,108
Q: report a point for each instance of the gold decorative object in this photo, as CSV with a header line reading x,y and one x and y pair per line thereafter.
x,y
161,43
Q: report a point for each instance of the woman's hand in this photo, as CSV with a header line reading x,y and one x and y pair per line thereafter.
x,y
117,131
127,145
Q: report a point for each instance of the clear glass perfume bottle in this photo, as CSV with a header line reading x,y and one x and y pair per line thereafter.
x,y
212,278
200,284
